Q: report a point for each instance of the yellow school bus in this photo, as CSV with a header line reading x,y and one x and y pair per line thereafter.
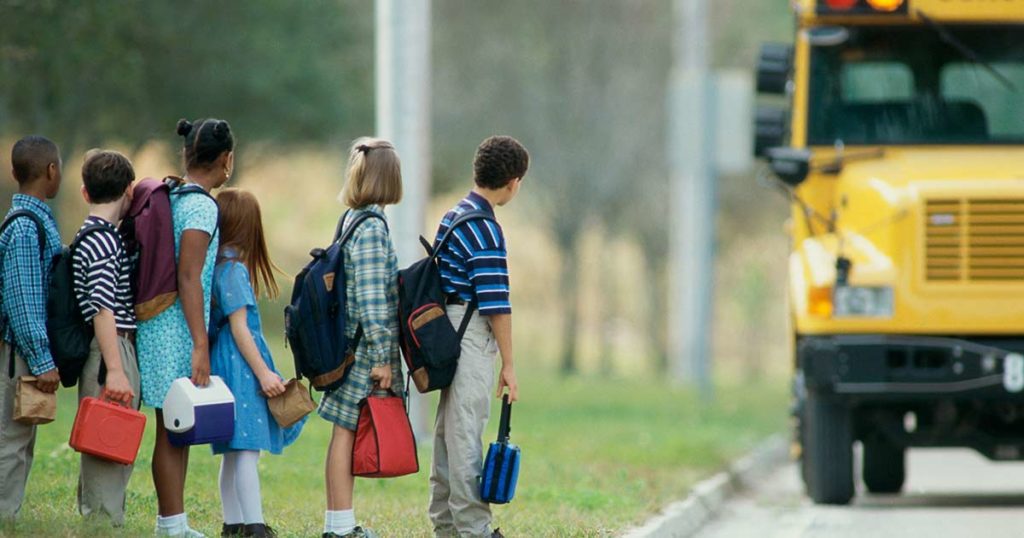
x,y
898,134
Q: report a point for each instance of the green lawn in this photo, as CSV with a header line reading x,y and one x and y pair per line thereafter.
x,y
598,456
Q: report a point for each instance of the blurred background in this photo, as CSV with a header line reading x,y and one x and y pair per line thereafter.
x,y
584,86
581,84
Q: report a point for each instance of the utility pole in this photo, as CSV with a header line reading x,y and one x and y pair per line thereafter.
x,y
403,117
693,199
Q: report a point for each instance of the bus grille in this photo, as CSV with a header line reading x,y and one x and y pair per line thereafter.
x,y
974,240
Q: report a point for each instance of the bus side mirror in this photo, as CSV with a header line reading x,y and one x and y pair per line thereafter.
x,y
773,67
769,129
791,165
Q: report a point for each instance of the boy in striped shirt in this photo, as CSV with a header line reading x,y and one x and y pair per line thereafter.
x,y
102,273
474,275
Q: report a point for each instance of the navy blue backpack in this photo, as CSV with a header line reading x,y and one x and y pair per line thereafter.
x,y
315,320
501,468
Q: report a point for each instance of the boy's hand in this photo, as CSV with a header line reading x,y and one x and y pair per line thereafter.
x,y
271,384
507,379
200,366
48,381
382,375
118,389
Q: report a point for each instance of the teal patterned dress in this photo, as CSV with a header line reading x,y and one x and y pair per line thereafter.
x,y
164,343
371,280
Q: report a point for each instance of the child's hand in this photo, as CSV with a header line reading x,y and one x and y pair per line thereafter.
x,y
200,366
48,381
271,384
118,389
382,375
508,379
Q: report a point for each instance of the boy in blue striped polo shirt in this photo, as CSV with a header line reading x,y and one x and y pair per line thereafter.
x,y
474,273
24,279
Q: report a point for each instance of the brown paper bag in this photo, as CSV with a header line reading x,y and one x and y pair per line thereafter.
x,y
31,405
289,407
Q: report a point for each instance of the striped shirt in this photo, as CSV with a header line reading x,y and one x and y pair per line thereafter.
x,y
474,261
24,279
103,274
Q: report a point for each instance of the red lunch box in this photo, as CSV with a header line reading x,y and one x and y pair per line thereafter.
x,y
107,430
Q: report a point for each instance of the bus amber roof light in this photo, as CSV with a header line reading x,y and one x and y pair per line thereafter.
x,y
886,5
841,5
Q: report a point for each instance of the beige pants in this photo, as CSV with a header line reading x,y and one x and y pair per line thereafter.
x,y
17,440
455,505
102,483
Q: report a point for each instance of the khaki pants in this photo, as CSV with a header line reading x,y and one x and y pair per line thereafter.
x,y
17,440
455,505
102,483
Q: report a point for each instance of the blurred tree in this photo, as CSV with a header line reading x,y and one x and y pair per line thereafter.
x,y
583,86
108,71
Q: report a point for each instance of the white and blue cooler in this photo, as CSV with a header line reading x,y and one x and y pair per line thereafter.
x,y
199,415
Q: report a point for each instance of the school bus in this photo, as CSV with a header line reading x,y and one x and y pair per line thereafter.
x,y
898,134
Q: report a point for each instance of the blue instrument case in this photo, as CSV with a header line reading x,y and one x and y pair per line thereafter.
x,y
501,468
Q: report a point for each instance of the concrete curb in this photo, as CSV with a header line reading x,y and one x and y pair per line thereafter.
x,y
683,519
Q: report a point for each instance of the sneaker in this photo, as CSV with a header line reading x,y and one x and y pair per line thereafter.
x,y
357,532
497,534
189,532
259,530
234,529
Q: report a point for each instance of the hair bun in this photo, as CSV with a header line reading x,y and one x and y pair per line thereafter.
x,y
184,127
221,130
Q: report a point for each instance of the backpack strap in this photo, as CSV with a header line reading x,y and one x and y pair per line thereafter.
x,y
41,234
178,187
341,236
40,228
475,214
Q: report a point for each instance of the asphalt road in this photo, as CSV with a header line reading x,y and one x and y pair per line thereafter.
x,y
949,493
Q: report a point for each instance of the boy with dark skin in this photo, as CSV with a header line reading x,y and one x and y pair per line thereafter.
x,y
24,279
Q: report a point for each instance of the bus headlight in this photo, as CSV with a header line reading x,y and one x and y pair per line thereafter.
x,y
856,301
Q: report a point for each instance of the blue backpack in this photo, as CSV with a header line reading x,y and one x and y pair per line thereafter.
x,y
315,319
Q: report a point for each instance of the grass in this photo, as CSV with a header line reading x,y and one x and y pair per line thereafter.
x,y
599,455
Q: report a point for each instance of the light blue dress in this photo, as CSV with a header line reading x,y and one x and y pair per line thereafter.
x,y
255,427
164,343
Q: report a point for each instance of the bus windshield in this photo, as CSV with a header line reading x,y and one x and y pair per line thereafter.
x,y
919,85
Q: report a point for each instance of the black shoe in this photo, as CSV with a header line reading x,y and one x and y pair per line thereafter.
x,y
497,534
235,529
259,530
357,532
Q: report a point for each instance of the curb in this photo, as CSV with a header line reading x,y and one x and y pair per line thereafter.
x,y
683,519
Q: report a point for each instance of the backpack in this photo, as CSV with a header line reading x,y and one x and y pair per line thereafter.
x,y
69,335
430,344
148,232
315,318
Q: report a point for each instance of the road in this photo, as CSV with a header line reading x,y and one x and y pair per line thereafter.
x,y
949,493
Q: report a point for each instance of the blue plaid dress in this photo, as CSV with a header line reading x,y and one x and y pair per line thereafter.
x,y
371,279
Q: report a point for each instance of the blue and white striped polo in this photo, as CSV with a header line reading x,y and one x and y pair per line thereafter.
x,y
474,262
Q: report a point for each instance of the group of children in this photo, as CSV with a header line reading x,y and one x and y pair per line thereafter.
x,y
213,326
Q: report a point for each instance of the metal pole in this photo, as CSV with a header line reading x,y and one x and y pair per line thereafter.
x,y
693,197
403,117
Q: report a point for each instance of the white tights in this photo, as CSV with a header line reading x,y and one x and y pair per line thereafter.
x,y
240,487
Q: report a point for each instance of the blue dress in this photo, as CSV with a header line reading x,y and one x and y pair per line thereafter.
x,y
255,427
164,343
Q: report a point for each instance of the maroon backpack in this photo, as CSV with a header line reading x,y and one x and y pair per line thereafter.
x,y
148,233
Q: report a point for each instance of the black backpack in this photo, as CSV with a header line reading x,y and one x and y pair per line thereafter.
x,y
69,335
315,318
430,343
